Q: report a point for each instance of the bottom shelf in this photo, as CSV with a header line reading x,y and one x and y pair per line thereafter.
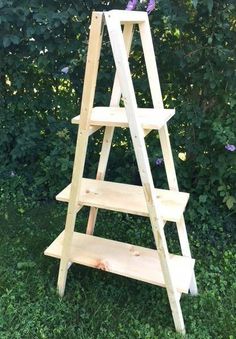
x,y
124,259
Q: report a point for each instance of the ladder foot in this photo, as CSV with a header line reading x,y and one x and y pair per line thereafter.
x,y
193,286
61,290
61,286
193,293
62,276
181,330
178,317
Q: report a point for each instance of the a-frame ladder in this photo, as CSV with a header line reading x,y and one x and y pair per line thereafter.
x,y
159,267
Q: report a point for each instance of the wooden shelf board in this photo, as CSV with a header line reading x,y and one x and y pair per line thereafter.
x,y
124,16
149,118
127,198
124,259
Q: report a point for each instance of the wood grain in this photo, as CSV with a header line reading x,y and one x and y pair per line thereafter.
x,y
124,259
127,198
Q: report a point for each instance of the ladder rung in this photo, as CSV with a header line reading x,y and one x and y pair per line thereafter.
x,y
127,198
124,259
149,118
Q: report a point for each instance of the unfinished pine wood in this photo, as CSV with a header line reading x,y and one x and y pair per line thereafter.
x,y
137,136
185,250
149,118
94,49
124,259
128,16
153,266
93,129
155,88
127,198
109,130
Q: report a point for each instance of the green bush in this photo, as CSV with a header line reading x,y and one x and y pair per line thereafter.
x,y
39,42
196,60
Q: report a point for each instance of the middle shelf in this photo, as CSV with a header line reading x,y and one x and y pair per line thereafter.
x,y
127,198
149,118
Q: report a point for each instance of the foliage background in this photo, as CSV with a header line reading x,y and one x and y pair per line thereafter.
x,y
195,48
196,59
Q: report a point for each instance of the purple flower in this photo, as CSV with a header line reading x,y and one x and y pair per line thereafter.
x,y
230,148
65,70
150,6
12,174
159,161
131,5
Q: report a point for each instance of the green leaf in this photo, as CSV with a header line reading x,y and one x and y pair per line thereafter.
x,y
209,40
210,5
15,39
230,202
6,41
203,198
195,2
25,265
30,31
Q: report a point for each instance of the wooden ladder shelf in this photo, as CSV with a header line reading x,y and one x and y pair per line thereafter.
x,y
159,267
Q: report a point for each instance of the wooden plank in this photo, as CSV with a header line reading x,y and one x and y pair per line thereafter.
x,y
154,84
153,79
109,130
149,118
124,16
185,250
127,198
93,129
156,94
124,259
91,70
137,136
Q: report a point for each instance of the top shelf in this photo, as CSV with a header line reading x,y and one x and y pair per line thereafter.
x,y
149,118
134,17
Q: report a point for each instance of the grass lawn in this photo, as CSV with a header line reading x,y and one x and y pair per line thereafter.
x,y
99,304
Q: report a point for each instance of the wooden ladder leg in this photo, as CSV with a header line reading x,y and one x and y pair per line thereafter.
x,y
137,135
173,294
155,88
106,146
94,48
160,240
109,131
173,185
185,249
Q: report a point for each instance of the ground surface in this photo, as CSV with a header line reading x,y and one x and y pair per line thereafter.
x,y
99,304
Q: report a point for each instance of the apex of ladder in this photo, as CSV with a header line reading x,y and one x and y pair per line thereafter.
x,y
127,16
